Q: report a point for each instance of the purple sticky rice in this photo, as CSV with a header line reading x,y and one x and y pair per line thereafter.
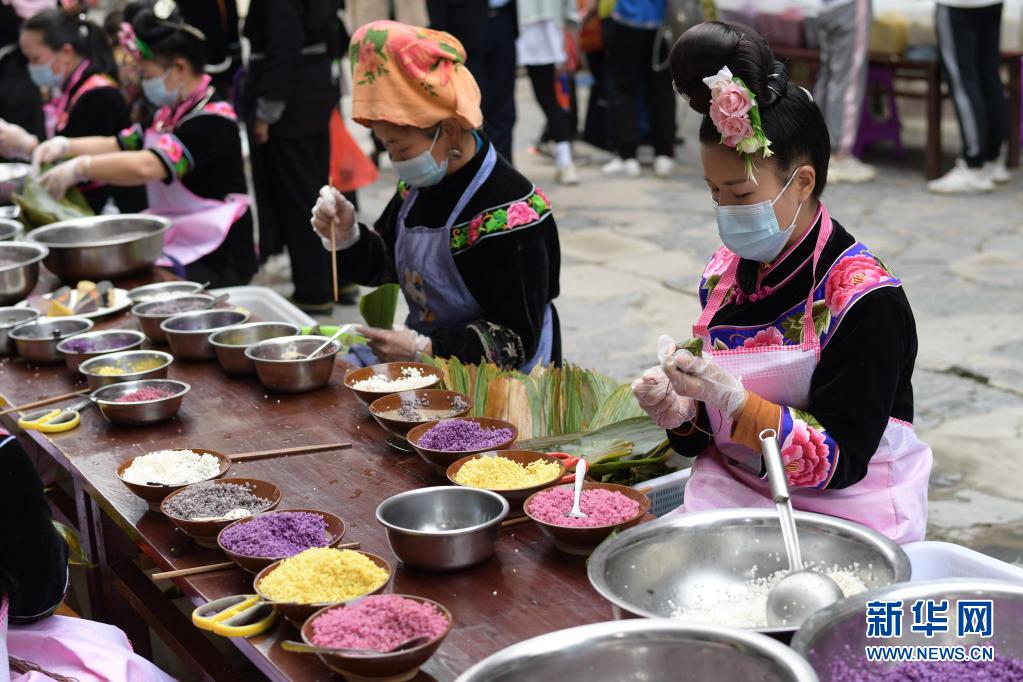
x,y
999,670
462,435
277,535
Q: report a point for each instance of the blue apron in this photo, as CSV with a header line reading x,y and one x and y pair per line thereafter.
x,y
429,278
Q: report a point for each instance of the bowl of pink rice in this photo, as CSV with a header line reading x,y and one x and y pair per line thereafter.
x,y
378,623
608,508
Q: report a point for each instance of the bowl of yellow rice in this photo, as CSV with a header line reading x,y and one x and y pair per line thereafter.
x,y
301,585
512,474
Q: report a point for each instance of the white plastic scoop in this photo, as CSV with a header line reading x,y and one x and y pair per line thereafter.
x,y
804,590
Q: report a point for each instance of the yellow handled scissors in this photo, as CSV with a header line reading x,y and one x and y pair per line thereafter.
x,y
241,615
54,420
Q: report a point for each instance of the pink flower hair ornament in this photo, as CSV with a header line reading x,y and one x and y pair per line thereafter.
x,y
735,114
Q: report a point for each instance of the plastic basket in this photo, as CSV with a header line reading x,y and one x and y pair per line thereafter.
x,y
936,560
665,492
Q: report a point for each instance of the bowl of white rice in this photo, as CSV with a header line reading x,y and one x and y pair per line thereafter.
x,y
376,381
155,475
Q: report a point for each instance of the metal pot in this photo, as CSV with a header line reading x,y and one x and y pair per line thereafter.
x,y
189,333
37,341
18,278
230,345
102,247
443,528
10,229
644,651
9,319
278,373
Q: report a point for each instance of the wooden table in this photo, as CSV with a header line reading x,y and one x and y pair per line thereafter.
x,y
929,72
526,589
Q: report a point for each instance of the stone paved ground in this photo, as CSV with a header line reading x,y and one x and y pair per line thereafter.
x,y
633,251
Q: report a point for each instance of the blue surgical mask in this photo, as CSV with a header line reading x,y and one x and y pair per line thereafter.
x,y
423,170
44,76
155,90
752,232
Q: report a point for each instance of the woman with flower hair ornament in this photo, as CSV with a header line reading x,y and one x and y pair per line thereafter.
x,y
188,157
804,330
471,242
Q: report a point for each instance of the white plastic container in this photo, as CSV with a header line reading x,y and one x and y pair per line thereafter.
x,y
266,304
937,560
665,492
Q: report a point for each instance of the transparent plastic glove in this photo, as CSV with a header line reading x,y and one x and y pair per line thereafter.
x,y
396,345
658,399
333,212
50,151
58,179
15,141
700,378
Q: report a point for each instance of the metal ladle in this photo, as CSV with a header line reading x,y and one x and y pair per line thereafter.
x,y
804,590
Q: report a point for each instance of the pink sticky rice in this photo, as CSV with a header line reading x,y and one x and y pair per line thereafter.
x,y
602,507
379,622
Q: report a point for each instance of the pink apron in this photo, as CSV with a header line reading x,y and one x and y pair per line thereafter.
x,y
73,647
198,225
891,498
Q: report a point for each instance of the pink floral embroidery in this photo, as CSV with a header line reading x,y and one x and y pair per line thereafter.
x,y
474,229
171,146
368,58
849,277
221,109
765,337
520,213
805,455
539,192
719,262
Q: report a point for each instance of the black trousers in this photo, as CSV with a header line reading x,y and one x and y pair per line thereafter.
x,y
630,54
493,65
543,78
287,173
969,42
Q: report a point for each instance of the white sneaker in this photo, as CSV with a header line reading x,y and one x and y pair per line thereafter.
x,y
961,180
836,171
619,166
856,171
632,168
996,172
664,166
567,175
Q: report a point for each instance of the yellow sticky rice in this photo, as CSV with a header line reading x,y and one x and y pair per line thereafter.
x,y
109,371
320,575
501,473
138,366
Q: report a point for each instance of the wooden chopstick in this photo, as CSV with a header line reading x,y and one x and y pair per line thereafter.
x,y
349,545
288,451
45,401
514,522
195,570
333,252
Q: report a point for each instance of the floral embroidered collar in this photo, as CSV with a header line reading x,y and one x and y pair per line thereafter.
x,y
167,118
756,282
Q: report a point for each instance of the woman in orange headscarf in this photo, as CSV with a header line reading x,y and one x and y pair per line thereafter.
x,y
471,241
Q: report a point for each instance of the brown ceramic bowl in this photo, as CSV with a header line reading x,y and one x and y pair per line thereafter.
x,y
255,564
582,541
298,613
205,532
401,665
515,496
391,370
383,409
154,494
441,459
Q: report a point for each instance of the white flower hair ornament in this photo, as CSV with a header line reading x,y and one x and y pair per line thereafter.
x,y
735,114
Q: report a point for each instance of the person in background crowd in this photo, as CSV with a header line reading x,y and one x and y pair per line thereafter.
x,y
494,68
472,243
218,20
21,104
969,38
844,28
541,49
189,159
33,579
288,96
362,12
630,51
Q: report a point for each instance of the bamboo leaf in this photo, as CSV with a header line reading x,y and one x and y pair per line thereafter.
x,y
378,306
76,556
618,406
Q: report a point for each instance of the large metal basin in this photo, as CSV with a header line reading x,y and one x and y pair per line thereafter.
x,y
102,247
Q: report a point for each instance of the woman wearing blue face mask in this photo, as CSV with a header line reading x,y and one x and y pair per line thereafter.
x,y
69,57
472,242
804,329
189,157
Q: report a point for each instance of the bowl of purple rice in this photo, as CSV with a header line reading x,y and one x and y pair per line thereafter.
x,y
401,412
203,510
834,639
378,623
608,507
151,314
81,347
442,443
258,541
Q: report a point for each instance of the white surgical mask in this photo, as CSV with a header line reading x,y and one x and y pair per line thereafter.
x,y
422,170
44,76
752,232
155,90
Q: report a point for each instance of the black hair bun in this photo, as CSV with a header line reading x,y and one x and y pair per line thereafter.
x,y
702,50
151,29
